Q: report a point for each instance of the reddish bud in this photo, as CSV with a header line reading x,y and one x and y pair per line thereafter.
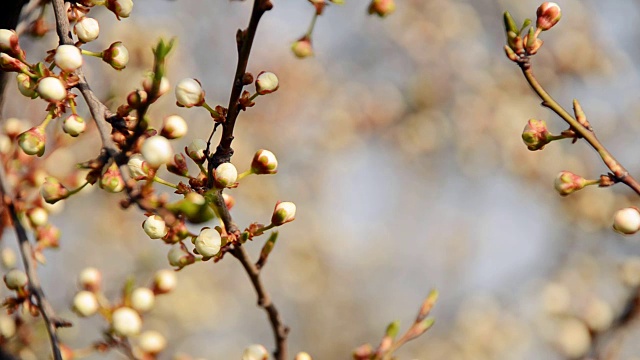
x,y
549,14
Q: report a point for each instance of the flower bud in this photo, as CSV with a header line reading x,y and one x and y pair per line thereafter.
x,y
164,281
155,227
26,86
138,167
32,141
598,315
9,43
85,303
90,279
156,151
535,134
136,98
225,175
126,322
68,58
627,221
302,48
122,8
16,279
174,127
52,191
382,8
152,342
147,84
48,236
266,83
208,242
229,201
7,326
74,125
194,207
10,64
14,127
189,93
37,216
629,271
116,55
51,89
178,166
8,258
142,299
302,356
549,14
111,180
196,149
87,29
573,338
567,182
264,162
283,213
255,352
179,257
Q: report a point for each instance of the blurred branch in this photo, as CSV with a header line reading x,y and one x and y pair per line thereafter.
x,y
618,330
244,39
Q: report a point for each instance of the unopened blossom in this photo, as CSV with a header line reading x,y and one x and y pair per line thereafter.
x,y
15,279
535,134
157,151
52,190
90,279
163,88
208,242
85,303
226,175
155,227
74,125
68,58
126,322
152,342
122,8
626,221
26,85
567,182
266,83
87,29
116,55
33,141
164,281
142,299
37,216
196,149
189,93
179,257
255,352
549,14
174,127
264,162
51,89
302,48
283,213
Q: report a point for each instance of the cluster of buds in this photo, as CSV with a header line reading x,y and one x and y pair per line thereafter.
x,y
548,15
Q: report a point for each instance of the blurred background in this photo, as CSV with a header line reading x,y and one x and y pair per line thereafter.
x,y
399,141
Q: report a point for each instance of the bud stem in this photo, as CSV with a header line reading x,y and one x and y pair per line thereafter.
x,y
164,182
312,25
213,112
91,53
245,174
254,96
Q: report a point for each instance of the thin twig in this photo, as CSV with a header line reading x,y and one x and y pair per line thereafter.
x,y
619,171
26,250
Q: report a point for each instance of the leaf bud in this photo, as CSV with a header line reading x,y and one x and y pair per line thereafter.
x,y
174,127
283,213
627,221
255,352
164,281
85,303
155,227
68,58
142,299
87,29
157,151
208,242
116,55
189,93
126,322
266,83
51,89
74,125
226,175
549,14
16,279
567,182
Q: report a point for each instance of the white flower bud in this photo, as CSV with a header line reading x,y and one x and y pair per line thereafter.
x,y
142,299
33,141
208,242
556,299
189,93
302,356
87,29
626,221
164,281
255,352
14,127
7,326
573,338
116,55
6,144
264,162
598,315
68,58
196,149
26,86
283,213
85,303
6,39
155,227
123,8
126,322
266,83
157,151
152,342
226,175
16,279
147,84
180,258
138,166
90,279
51,89
38,216
74,125
174,127
8,258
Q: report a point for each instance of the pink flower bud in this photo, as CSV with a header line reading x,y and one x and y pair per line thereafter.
x,y
189,93
51,89
174,127
179,257
255,352
382,8
126,322
302,48
264,162
152,342
68,58
16,279
90,279
567,182
164,281
229,201
87,29
111,180
122,8
196,149
85,303
74,125
26,86
157,151
627,221
116,55
32,141
225,175
142,299
266,83
283,213
549,14
208,242
155,227
535,134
